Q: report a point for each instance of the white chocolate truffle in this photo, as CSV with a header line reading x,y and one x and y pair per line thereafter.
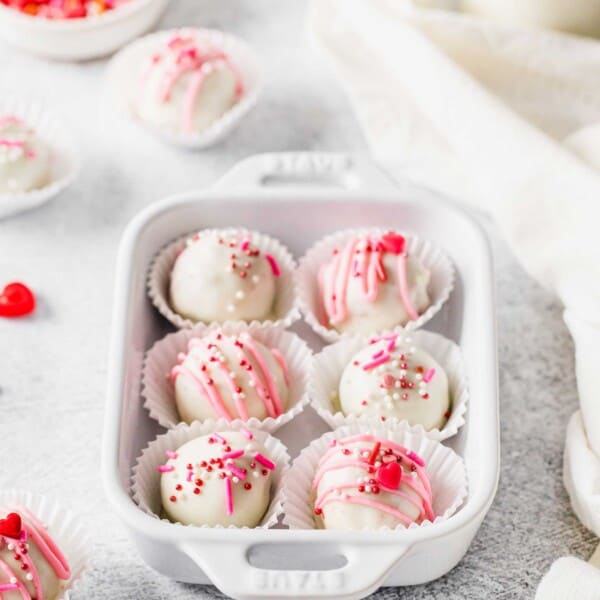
x,y
230,377
366,482
220,276
186,85
371,284
218,479
391,378
33,564
24,158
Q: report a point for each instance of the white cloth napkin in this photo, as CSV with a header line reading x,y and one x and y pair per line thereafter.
x,y
503,119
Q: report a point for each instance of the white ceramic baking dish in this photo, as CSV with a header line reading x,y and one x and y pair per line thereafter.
x,y
299,198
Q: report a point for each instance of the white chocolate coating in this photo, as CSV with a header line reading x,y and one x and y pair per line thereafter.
x,y
209,505
411,386
24,158
40,571
372,284
240,383
350,492
187,86
207,284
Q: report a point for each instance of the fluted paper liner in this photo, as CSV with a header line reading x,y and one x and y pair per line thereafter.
x,y
285,310
64,163
145,486
64,528
124,78
159,391
430,256
328,366
445,468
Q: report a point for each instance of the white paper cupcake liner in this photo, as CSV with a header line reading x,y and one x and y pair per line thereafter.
x,y
158,390
285,311
64,528
446,471
432,257
327,368
145,481
123,80
64,161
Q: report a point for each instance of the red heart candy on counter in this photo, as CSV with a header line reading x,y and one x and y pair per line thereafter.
x,y
11,526
390,475
393,242
16,300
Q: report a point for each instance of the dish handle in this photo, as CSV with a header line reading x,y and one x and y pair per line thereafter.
x,y
306,170
229,568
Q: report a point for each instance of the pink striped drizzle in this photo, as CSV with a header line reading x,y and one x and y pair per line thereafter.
x,y
361,257
335,459
32,530
249,357
185,54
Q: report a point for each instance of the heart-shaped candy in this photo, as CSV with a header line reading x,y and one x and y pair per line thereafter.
x,y
16,300
11,526
393,242
390,475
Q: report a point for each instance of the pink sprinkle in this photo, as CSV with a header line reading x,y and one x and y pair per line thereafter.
x,y
220,438
233,454
355,269
8,587
247,433
171,454
388,381
375,363
228,496
245,245
12,143
189,476
274,265
166,468
265,462
391,345
429,375
378,354
237,472
415,458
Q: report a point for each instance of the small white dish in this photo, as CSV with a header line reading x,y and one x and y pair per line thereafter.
x,y
64,164
80,39
123,81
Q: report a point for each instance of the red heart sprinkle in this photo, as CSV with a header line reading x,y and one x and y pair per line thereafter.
x,y
390,475
11,526
16,300
393,242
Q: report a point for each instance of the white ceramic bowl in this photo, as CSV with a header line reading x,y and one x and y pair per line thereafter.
x,y
80,39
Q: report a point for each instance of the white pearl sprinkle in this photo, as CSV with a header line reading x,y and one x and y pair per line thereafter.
x,y
255,474
365,454
377,463
396,396
232,374
412,350
387,398
29,576
255,278
368,489
13,580
418,376
397,384
422,384
235,479
251,382
395,363
11,546
240,295
250,447
230,308
403,373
